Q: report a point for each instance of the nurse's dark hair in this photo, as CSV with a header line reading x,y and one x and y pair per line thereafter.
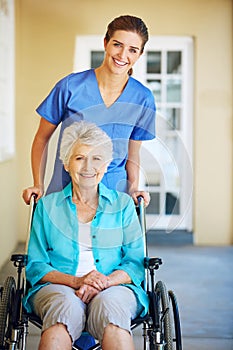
x,y
129,24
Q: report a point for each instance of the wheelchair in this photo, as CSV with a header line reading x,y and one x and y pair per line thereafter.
x,y
161,329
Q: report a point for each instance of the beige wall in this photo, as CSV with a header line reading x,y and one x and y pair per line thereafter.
x,y
45,38
8,208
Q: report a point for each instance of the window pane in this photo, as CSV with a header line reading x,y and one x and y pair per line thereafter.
x,y
173,118
174,90
172,204
173,145
96,58
173,62
155,86
154,62
154,207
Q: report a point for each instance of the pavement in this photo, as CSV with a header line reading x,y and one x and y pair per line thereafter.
x,y
202,280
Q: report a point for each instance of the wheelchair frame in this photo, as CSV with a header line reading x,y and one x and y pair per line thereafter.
x,y
161,328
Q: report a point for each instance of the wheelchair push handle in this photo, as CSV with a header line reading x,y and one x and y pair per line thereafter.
x,y
32,208
141,213
140,200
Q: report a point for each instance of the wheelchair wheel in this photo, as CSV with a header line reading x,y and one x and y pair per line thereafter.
x,y
6,308
176,320
164,312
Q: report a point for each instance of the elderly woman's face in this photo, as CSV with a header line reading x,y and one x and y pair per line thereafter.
x,y
87,164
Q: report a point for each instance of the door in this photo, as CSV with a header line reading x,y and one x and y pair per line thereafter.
x,y
166,67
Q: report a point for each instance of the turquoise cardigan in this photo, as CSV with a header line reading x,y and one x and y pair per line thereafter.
x,y
116,235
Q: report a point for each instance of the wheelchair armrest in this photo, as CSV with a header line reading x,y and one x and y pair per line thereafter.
x,y
152,263
19,259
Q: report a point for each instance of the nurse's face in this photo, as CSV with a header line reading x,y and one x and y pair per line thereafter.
x,y
87,165
122,51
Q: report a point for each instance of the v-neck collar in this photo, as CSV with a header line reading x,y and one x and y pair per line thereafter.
x,y
99,93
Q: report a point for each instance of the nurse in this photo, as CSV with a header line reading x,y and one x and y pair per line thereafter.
x,y
111,98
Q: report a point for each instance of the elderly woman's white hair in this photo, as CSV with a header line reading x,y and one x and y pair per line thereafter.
x,y
84,133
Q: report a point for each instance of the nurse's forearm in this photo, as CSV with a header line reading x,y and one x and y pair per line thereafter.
x,y
133,165
132,176
38,162
40,150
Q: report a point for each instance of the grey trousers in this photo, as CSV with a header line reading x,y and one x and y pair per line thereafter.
x,y
56,303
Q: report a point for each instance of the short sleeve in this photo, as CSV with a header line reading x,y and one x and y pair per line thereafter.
x,y
53,107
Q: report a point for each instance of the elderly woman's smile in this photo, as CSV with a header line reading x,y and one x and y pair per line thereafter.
x,y
87,163
87,175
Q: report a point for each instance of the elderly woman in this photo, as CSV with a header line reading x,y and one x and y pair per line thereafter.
x,y
86,251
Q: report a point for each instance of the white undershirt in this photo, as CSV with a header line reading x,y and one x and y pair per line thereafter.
x,y
86,259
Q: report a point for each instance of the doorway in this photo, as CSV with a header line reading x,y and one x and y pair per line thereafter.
x,y
166,67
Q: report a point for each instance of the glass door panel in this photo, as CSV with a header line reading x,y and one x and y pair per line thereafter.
x,y
96,58
173,116
173,90
154,62
174,62
156,88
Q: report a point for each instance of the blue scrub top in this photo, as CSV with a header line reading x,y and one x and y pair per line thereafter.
x,y
77,97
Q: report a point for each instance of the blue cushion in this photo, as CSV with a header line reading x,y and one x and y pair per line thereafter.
x,y
85,341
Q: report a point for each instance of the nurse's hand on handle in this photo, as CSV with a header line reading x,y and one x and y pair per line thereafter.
x,y
145,195
30,191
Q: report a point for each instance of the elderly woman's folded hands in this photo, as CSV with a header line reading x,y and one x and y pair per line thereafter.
x,y
90,285
94,279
